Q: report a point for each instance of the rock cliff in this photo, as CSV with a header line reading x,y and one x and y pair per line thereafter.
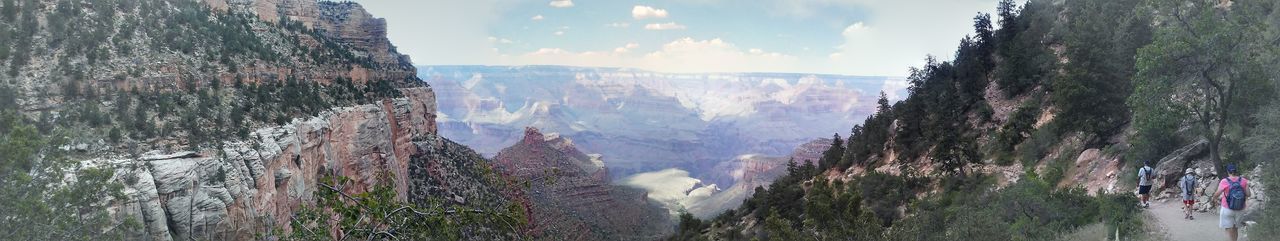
x,y
258,183
572,198
182,72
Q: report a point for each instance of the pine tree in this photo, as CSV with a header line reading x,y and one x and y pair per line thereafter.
x,y
833,154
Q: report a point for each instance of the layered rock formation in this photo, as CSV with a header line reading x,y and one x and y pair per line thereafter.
x,y
345,22
255,185
259,183
572,198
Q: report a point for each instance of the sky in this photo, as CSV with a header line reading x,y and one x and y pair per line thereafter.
x,y
850,37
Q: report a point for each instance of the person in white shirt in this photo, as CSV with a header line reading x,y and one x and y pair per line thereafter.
x,y
1146,174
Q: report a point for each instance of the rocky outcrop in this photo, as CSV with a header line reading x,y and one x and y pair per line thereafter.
x,y
254,185
351,24
346,22
572,198
1171,168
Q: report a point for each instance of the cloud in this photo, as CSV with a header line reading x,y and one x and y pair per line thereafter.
x,y
895,88
561,3
663,26
643,12
500,40
558,33
626,48
536,17
892,36
897,35
685,55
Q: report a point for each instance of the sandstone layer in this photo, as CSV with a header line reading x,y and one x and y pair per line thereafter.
x,y
256,184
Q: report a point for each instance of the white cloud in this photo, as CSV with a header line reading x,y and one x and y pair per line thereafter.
x,y
558,33
893,86
643,12
626,48
561,3
893,36
685,55
664,26
500,40
549,51
536,17
899,34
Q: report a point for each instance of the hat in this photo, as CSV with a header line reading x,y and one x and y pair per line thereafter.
x,y
1231,168
1190,171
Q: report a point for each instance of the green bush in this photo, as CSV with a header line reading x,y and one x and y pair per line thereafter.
x,y
1028,210
1034,149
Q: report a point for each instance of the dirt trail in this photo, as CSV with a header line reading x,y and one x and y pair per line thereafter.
x,y
1167,215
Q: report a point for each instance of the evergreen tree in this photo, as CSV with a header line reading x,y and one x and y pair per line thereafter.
x,y
832,155
1102,42
778,228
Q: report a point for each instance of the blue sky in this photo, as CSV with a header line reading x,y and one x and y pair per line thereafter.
x,y
854,37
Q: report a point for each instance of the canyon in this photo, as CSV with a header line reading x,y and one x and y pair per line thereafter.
x,y
648,121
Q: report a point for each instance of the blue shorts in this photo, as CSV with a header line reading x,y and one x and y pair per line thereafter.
x,y
1144,190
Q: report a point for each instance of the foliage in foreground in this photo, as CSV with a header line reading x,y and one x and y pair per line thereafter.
x,y
966,209
37,203
376,214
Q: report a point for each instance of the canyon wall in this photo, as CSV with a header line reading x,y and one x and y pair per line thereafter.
x,y
257,184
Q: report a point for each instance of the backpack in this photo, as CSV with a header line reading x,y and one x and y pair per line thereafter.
x,y
1235,195
1145,174
1188,184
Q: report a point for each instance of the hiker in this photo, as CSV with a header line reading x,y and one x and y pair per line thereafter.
x,y
1146,174
1188,185
1233,191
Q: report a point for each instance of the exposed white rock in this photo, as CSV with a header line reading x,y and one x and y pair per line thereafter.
x,y
258,183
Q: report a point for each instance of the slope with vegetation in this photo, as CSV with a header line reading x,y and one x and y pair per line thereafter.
x,y
1033,130
213,119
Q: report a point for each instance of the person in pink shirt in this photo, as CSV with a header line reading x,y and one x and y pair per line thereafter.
x,y
1232,193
